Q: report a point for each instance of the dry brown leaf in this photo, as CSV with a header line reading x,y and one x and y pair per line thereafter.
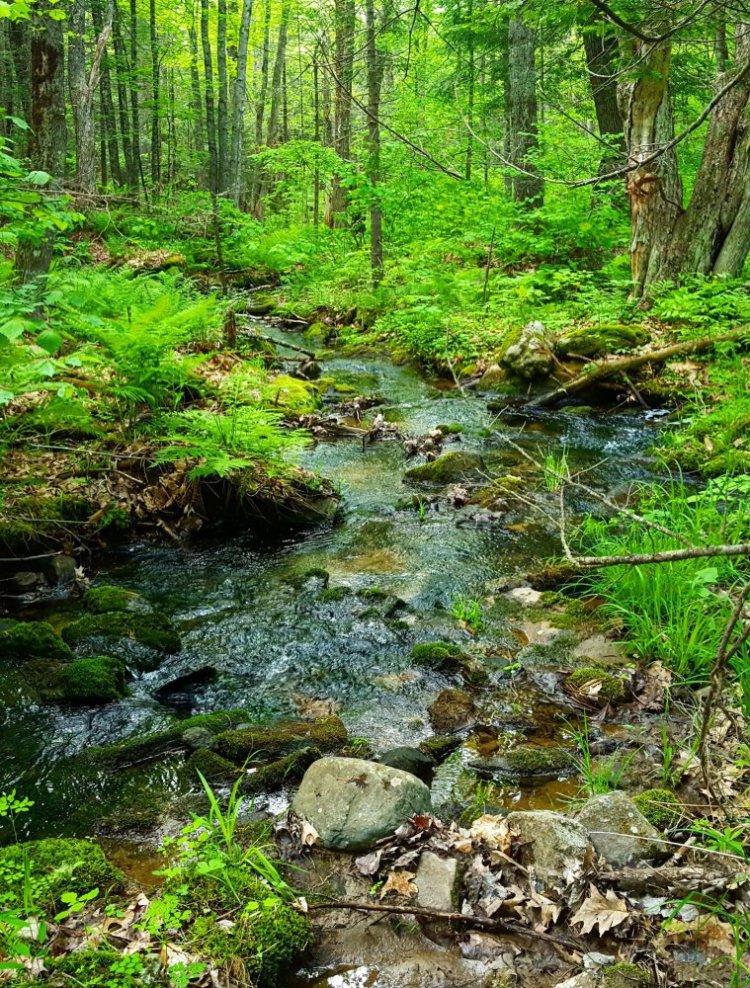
x,y
549,911
604,911
656,682
308,835
706,932
491,830
401,883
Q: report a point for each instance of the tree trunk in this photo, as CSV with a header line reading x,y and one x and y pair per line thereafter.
x,y
342,123
274,114
601,47
47,121
83,86
208,75
131,171
155,98
135,124
374,78
471,69
222,123
238,104
19,37
527,186
256,204
199,139
109,119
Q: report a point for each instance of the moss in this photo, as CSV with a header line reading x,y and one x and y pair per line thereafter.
x,y
451,429
437,655
440,746
212,766
452,466
594,341
56,865
108,599
622,975
33,640
154,631
612,689
94,680
373,593
660,807
327,734
266,939
332,594
281,772
527,761
152,745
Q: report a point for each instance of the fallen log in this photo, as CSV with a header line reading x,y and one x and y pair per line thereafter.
x,y
608,368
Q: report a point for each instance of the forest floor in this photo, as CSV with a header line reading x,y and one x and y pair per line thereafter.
x,y
141,406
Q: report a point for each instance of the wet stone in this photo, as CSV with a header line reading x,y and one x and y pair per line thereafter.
x,y
618,830
437,881
557,847
410,760
452,710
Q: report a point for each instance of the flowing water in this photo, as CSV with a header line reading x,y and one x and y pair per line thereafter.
x,y
277,640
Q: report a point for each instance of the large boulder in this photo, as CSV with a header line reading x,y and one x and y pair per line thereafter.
x,y
353,803
532,354
558,848
618,830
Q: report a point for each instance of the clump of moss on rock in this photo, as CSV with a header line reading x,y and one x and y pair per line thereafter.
x,y
56,865
611,689
623,975
108,600
440,746
527,761
213,767
33,640
327,734
153,631
660,807
595,341
281,772
437,655
449,468
94,680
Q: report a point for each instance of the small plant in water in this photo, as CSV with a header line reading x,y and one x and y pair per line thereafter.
x,y
469,612
556,469
598,776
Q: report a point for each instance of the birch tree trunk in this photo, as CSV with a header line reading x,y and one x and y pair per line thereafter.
x,y
222,122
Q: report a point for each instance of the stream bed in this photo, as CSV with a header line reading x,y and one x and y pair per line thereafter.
x,y
280,637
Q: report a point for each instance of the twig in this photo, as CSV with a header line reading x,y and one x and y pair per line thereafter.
x,y
498,925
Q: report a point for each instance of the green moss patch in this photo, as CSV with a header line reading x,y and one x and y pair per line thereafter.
x,y
327,734
94,680
153,631
598,684
33,640
449,468
108,599
660,807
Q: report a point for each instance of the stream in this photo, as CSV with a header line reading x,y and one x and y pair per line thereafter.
x,y
277,641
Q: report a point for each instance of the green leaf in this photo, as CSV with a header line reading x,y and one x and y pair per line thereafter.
x,y
39,177
6,396
49,340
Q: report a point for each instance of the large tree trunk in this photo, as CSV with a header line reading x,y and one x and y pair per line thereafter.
x,y
521,137
238,104
83,85
601,47
47,120
131,170
342,124
109,119
155,98
277,90
19,37
712,236
654,186
374,78
135,124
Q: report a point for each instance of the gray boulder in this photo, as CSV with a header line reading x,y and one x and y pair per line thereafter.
x,y
410,760
557,847
531,355
437,882
353,803
618,830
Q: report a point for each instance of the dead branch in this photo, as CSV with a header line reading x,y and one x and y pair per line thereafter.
x,y
668,556
608,368
496,925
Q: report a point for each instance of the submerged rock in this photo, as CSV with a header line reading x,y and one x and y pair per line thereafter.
x,y
618,830
410,760
532,354
451,710
154,632
275,741
556,846
447,469
526,762
353,803
181,692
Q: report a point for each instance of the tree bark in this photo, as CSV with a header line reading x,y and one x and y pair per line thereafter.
x,y
222,123
131,172
601,46
274,114
208,76
109,118
238,104
135,124
526,185
83,86
47,120
342,114
374,78
155,98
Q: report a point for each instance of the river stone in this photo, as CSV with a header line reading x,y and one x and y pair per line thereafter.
x,y
557,847
198,738
610,818
451,710
61,570
437,881
353,803
492,378
410,760
531,355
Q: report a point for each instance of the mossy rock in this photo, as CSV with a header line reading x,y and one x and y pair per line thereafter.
x,y
440,746
451,467
33,640
437,655
623,975
660,807
93,680
262,944
598,685
56,865
527,762
450,429
108,599
143,748
327,734
213,767
281,772
153,631
331,595
595,341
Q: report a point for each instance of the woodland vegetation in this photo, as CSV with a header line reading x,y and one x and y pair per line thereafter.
x,y
541,204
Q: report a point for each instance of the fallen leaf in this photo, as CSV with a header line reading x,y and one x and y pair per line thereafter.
x,y
368,864
308,834
401,883
604,911
549,911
